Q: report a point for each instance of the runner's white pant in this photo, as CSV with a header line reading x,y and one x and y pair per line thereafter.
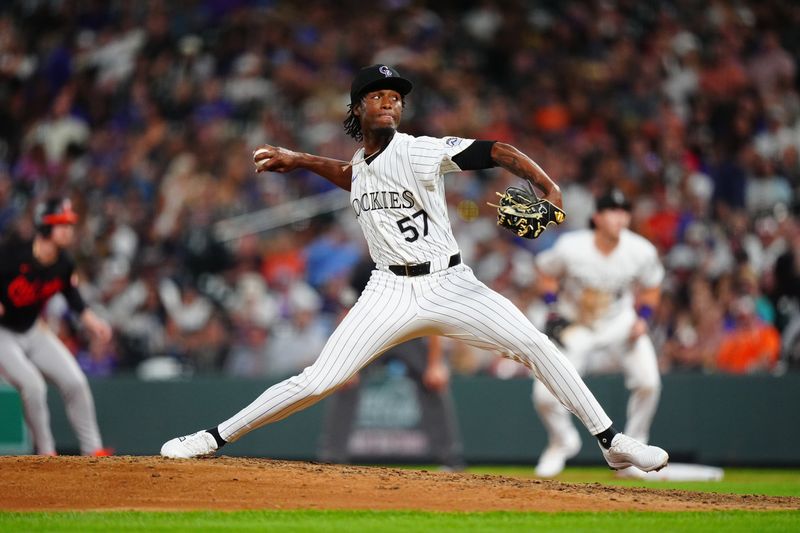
x,y
601,350
26,360
393,309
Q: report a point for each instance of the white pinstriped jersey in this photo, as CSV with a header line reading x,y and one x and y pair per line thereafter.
x,y
596,288
399,199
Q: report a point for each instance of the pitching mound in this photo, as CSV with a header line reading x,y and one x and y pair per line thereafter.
x,y
225,483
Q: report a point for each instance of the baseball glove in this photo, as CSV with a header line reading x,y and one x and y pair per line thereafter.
x,y
526,214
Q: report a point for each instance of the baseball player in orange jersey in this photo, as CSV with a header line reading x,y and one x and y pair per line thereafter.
x,y
420,286
30,273
604,275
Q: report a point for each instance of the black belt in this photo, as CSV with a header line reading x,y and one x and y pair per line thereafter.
x,y
420,269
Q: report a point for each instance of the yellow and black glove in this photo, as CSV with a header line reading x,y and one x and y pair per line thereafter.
x,y
526,214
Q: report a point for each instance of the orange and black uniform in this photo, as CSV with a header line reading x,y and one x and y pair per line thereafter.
x,y
26,285
32,355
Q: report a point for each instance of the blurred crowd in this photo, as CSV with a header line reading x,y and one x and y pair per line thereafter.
x,y
146,114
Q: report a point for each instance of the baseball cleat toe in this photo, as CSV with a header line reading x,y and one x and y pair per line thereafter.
x,y
626,451
200,444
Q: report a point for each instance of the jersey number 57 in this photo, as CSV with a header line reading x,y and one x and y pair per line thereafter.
x,y
408,226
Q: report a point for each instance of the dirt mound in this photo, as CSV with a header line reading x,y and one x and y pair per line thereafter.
x,y
226,483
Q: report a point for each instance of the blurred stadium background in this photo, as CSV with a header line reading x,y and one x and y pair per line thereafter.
x,y
219,281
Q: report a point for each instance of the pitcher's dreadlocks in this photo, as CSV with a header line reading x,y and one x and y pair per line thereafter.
x,y
352,125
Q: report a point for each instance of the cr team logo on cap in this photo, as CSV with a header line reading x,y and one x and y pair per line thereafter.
x,y
377,77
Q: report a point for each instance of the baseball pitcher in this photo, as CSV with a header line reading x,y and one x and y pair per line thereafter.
x,y
420,285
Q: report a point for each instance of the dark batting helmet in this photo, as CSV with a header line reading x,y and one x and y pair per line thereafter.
x,y
51,213
611,199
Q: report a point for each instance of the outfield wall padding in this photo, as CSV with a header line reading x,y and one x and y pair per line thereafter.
x,y
709,419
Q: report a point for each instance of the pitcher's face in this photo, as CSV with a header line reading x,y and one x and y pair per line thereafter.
x,y
380,109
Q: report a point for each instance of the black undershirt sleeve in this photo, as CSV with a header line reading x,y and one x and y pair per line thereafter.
x,y
476,156
73,296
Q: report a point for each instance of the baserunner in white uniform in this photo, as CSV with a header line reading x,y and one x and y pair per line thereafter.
x,y
420,285
602,285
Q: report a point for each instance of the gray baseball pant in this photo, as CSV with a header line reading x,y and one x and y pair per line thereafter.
x,y
26,361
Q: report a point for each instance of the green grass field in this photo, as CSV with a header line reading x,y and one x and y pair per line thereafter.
x,y
372,521
739,481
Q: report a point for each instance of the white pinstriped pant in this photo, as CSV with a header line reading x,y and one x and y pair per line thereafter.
x,y
393,309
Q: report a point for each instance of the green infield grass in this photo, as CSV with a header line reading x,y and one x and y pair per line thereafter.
x,y
400,521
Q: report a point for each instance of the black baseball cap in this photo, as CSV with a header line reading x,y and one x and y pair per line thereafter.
x,y
377,77
613,199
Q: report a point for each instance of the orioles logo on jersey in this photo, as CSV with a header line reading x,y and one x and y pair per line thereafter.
x,y
22,292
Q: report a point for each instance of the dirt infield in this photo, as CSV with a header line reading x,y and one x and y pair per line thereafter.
x,y
151,483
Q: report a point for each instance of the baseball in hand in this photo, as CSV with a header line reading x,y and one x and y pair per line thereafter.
x,y
261,162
